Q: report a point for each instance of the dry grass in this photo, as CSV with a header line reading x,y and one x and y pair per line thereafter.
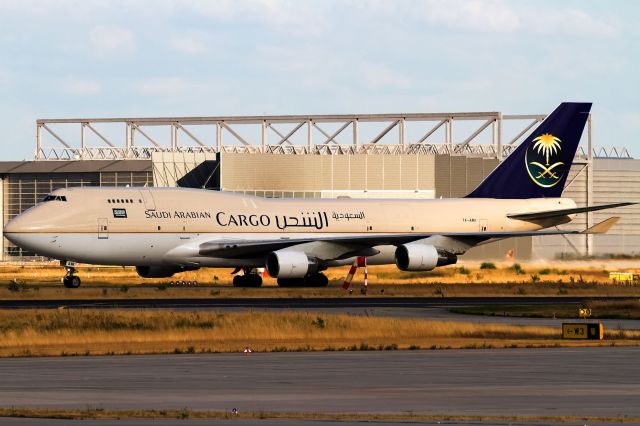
x,y
185,413
79,332
570,279
42,281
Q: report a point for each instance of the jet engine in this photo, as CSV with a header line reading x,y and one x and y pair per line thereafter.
x,y
422,257
161,271
289,264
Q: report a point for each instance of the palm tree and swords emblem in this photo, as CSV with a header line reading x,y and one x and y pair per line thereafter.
x,y
541,170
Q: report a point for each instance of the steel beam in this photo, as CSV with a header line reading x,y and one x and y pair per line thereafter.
x,y
396,144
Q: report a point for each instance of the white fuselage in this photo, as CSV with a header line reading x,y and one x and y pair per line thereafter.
x,y
162,226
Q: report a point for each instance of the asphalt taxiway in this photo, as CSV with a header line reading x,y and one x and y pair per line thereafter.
x,y
602,381
297,302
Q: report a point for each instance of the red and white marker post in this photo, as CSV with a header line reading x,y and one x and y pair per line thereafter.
x,y
360,262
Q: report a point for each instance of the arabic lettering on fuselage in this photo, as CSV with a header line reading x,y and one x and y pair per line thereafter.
x,y
317,220
347,216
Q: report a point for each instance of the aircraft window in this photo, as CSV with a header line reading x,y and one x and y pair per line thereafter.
x,y
139,201
108,201
126,201
54,198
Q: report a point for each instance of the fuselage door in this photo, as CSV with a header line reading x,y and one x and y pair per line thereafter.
x,y
147,198
484,225
103,228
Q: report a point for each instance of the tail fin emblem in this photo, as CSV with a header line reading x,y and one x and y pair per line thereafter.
x,y
541,169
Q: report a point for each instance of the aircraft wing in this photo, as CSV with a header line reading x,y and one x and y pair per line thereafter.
x,y
563,212
247,248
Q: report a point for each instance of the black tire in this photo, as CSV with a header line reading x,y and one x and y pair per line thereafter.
x,y
251,280
237,281
254,280
71,281
321,280
316,280
292,282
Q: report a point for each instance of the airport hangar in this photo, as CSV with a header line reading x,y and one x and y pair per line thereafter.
x,y
322,156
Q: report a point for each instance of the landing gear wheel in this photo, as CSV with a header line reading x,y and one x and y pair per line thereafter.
x,y
248,280
311,280
71,281
316,280
292,282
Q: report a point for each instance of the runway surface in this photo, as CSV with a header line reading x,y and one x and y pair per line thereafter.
x,y
264,422
294,302
535,382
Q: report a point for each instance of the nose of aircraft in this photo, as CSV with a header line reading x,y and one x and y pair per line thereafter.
x,y
24,225
25,230
16,225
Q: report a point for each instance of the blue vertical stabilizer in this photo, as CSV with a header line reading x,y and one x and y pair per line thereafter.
x,y
540,165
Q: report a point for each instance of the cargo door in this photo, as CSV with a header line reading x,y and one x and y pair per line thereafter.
x,y
147,198
103,228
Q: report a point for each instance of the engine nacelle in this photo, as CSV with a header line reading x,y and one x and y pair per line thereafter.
x,y
422,257
161,271
288,264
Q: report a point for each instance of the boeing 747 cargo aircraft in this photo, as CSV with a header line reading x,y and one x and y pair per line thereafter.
x,y
163,231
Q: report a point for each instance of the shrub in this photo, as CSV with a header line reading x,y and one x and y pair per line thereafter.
x,y
517,268
124,288
16,286
487,265
319,322
464,271
535,278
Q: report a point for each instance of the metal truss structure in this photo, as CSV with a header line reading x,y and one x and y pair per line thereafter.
x,y
140,138
93,138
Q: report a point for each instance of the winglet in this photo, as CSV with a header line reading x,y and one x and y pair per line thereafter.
x,y
602,227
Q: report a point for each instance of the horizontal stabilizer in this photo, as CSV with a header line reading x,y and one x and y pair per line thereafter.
x,y
602,227
563,212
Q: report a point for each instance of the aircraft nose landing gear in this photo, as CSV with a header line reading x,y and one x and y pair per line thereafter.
x,y
70,280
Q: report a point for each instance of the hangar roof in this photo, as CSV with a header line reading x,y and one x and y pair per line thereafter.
x,y
80,166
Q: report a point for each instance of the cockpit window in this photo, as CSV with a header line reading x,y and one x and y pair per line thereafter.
x,y
50,197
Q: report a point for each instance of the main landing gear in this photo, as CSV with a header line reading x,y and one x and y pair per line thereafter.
x,y
70,280
311,280
248,279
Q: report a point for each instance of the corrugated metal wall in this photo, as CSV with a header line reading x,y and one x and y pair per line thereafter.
x,y
313,173
614,180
